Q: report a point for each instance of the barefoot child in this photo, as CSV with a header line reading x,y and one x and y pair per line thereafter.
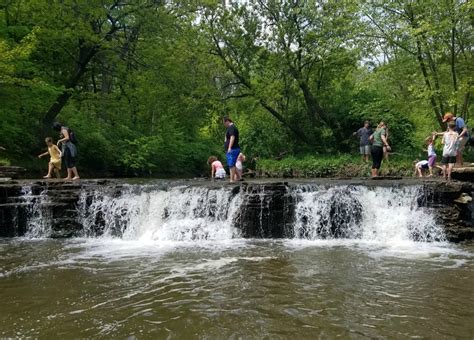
x,y
420,166
450,149
239,166
431,154
217,169
55,158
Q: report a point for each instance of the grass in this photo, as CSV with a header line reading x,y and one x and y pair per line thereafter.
x,y
331,166
4,162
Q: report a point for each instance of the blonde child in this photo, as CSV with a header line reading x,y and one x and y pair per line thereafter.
x,y
239,166
217,169
450,149
55,158
431,153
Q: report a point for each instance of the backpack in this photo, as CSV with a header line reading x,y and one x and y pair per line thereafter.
x,y
72,136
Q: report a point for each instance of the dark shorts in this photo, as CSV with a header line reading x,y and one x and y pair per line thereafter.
x,y
425,166
448,160
377,156
232,157
69,161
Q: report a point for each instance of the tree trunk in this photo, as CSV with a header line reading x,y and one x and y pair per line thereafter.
x,y
453,64
85,56
424,71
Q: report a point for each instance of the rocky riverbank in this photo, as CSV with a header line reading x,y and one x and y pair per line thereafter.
x,y
266,210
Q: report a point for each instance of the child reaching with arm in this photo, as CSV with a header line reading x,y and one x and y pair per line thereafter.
x,y
217,169
431,153
55,160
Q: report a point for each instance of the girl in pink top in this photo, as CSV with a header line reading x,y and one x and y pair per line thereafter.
x,y
217,169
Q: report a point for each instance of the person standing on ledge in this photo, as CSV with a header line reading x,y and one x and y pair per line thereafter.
x,y
68,148
461,129
364,133
379,141
232,147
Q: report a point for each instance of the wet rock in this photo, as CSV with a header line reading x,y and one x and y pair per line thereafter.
x,y
12,171
267,209
464,198
66,228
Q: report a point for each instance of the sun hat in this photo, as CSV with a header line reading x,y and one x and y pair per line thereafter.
x,y
447,116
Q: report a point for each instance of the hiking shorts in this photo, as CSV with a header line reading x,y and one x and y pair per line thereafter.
x,y
448,160
365,149
432,161
232,156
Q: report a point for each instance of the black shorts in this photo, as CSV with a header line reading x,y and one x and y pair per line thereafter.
x,y
448,160
377,156
69,161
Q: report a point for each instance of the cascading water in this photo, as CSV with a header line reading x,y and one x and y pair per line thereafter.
x,y
193,213
370,214
177,214
38,213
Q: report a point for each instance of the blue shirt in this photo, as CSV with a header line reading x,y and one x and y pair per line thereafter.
x,y
364,135
460,125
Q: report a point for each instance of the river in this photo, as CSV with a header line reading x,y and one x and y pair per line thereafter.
x,y
359,263
235,289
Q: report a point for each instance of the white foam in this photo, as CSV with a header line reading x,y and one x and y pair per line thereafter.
x,y
384,215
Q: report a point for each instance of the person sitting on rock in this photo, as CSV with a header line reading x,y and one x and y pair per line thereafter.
x,y
55,158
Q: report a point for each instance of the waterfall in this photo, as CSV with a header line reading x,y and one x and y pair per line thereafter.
x,y
177,214
357,212
194,213
38,212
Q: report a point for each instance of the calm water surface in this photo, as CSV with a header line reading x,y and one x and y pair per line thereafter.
x,y
235,289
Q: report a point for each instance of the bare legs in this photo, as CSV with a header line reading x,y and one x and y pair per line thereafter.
x,y
233,174
459,158
70,173
447,170
51,169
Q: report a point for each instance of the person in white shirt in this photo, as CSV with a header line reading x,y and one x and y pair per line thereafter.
x,y
420,166
450,150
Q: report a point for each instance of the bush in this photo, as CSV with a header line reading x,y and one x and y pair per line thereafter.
x,y
330,166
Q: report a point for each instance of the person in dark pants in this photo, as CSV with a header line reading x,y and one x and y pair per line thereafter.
x,y
68,149
232,147
379,141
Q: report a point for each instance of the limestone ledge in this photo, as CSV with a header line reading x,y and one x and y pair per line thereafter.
x,y
452,202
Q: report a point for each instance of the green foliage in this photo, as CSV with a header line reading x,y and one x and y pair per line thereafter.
x,y
331,166
144,83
